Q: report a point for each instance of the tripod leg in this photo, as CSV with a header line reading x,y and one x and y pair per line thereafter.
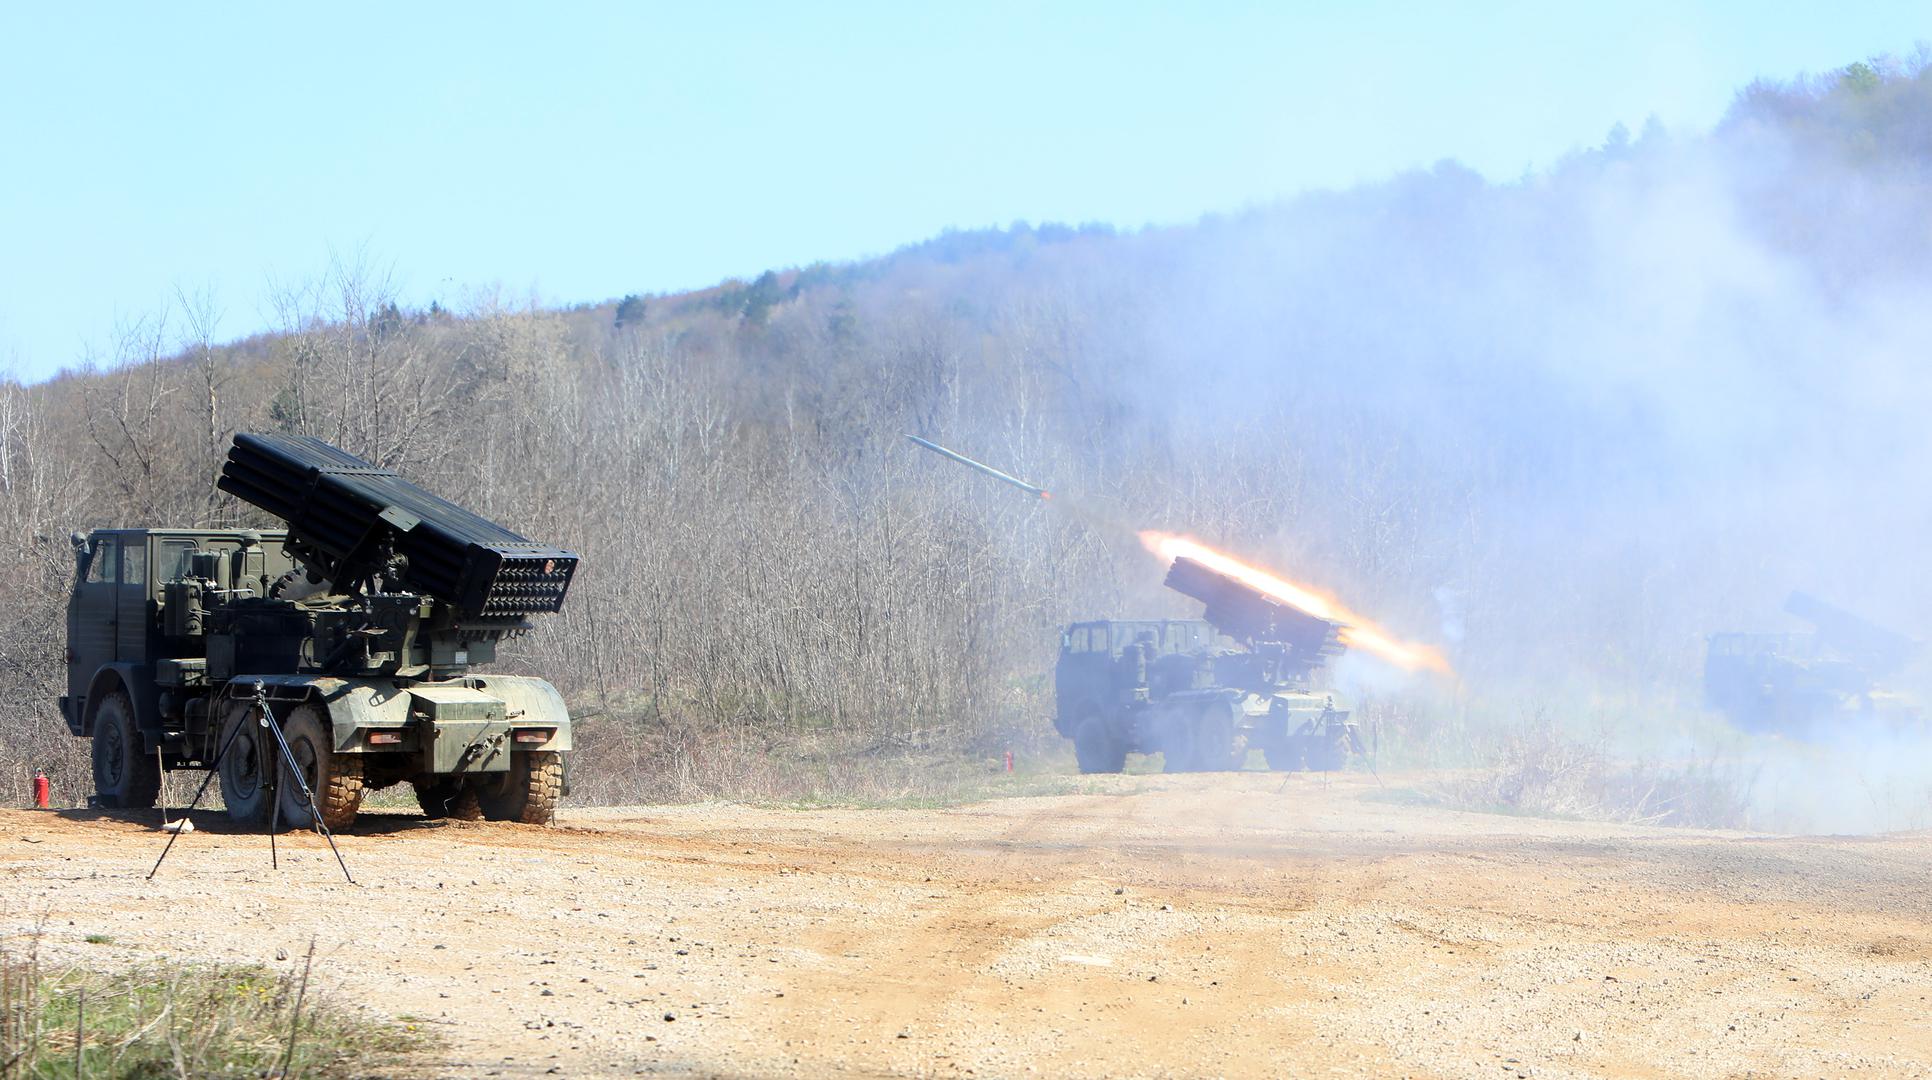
x,y
274,825
274,791
213,768
302,783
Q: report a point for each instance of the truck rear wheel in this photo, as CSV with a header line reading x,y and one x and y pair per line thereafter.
x,y
1328,751
528,792
245,766
336,779
124,777
1284,754
1094,747
446,797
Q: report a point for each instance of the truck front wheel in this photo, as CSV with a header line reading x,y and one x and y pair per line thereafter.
x,y
528,792
124,777
246,758
336,779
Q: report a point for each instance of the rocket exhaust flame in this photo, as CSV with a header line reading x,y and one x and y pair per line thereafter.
x,y
1357,632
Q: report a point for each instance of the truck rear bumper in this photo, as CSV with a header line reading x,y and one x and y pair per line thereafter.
x,y
460,726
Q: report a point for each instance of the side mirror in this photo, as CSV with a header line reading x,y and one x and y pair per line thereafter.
x,y
83,552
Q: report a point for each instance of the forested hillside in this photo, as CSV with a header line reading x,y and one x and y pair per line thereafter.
x,y
1564,426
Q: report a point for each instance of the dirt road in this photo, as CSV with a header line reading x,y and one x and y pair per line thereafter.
x,y
1160,926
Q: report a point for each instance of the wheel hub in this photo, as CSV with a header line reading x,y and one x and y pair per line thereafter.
x,y
113,753
247,773
304,754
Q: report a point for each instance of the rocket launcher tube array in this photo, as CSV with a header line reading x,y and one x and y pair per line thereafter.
x,y
1195,567
343,508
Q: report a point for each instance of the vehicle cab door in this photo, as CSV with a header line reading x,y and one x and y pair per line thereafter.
x,y
91,618
1081,676
132,611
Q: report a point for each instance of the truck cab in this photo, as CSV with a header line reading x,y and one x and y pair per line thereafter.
x,y
116,635
1088,677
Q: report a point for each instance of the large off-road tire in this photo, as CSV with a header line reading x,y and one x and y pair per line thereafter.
x,y
1094,747
124,776
1285,754
247,766
336,779
447,797
1327,751
528,792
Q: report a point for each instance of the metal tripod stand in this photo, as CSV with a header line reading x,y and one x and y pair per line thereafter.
x,y
266,718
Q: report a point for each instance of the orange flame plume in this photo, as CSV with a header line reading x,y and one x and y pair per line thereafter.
x,y
1357,632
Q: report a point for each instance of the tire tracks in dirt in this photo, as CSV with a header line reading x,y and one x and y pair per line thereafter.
x,y
1201,925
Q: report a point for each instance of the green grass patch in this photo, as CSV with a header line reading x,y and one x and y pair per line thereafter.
x,y
168,1020
395,797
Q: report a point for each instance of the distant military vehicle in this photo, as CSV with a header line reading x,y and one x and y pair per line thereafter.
x,y
356,628
1203,692
1807,684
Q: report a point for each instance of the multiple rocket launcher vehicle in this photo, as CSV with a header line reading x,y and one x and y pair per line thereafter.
x,y
1203,692
356,628
1817,686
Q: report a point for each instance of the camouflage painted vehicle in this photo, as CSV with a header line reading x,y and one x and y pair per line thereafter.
x,y
1203,692
356,628
1815,686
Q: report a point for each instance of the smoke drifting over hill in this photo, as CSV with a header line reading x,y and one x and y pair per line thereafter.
x,y
1588,418
1563,427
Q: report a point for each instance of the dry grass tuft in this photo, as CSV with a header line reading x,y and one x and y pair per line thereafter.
x,y
1537,769
188,1021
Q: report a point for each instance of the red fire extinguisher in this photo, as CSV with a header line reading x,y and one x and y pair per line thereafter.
x,y
43,796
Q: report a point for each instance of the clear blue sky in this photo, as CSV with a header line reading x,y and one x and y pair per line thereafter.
x,y
581,152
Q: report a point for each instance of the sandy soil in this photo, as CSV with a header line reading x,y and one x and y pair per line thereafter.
x,y
1198,925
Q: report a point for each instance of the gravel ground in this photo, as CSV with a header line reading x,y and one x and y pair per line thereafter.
x,y
1193,925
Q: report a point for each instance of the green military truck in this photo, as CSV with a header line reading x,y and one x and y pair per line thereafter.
x,y
1203,692
356,630
1819,686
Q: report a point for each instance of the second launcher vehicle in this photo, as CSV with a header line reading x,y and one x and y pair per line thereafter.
x,y
1203,692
